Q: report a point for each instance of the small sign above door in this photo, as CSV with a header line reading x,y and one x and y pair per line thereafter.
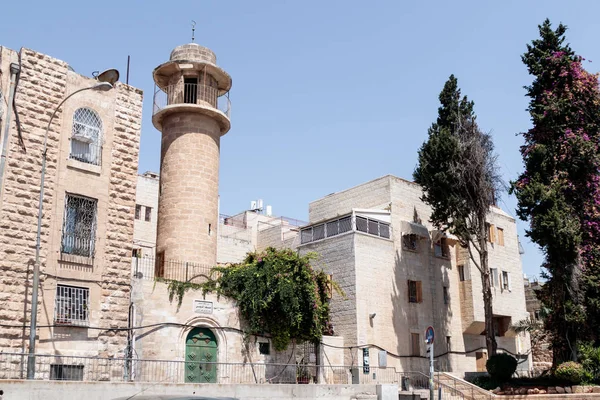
x,y
203,307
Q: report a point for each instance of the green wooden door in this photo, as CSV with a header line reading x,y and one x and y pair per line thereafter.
x,y
200,352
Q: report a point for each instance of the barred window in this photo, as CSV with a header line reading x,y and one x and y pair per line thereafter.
x,y
318,232
71,305
79,226
63,372
86,138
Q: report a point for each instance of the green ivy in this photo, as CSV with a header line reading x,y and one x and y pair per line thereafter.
x,y
277,291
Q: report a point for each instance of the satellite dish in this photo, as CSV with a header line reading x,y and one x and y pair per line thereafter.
x,y
110,75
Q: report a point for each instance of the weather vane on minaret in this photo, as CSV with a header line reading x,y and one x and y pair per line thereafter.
x,y
193,29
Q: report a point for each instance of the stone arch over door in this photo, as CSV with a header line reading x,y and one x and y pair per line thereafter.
x,y
201,350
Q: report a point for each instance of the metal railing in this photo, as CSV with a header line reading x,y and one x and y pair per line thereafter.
x,y
89,153
191,93
460,388
91,369
183,271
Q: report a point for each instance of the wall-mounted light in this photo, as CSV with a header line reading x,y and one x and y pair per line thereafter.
x,y
372,315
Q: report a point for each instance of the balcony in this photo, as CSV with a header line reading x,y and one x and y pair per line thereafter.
x,y
192,97
366,221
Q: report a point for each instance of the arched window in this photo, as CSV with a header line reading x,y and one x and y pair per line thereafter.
x,y
86,139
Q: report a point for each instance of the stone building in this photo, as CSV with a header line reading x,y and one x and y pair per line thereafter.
x,y
88,209
400,276
146,212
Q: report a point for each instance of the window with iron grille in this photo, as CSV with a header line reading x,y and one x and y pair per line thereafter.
x,y
79,226
148,215
86,137
63,372
71,305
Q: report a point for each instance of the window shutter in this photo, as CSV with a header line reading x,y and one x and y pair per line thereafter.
x,y
492,233
419,292
508,279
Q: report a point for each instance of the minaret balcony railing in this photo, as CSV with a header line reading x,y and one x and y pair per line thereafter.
x,y
191,93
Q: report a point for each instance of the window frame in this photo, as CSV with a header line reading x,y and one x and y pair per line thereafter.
x,y
415,344
410,242
461,273
444,247
87,129
506,281
415,292
494,278
66,372
500,233
138,211
72,218
148,214
446,294
72,305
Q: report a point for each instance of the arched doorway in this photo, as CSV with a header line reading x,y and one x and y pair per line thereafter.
x,y
200,354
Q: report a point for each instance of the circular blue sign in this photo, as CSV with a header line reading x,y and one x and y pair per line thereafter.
x,y
429,335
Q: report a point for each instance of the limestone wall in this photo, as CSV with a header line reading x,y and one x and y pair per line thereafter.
x,y
144,236
44,83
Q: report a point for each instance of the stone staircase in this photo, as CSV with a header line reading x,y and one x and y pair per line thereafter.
x,y
456,388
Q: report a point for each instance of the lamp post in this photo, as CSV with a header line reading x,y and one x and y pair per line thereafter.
x,y
102,87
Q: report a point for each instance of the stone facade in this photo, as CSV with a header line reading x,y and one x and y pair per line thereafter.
x,y
146,198
105,177
375,271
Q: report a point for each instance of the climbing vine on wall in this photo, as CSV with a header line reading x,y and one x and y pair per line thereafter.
x,y
278,292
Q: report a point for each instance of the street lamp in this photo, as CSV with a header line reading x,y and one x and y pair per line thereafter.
x,y
101,87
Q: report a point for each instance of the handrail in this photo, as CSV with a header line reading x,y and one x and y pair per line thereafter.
x,y
191,93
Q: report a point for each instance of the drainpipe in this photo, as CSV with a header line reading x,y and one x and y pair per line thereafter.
x,y
14,70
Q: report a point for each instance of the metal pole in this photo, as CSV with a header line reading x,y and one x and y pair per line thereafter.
x,y
36,266
431,388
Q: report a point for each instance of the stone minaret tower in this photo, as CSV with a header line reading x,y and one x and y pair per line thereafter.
x,y
191,109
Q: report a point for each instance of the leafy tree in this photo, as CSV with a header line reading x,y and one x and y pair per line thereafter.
x,y
278,293
559,191
459,176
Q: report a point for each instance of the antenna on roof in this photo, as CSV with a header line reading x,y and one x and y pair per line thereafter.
x,y
193,29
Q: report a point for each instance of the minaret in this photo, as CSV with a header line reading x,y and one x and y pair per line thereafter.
x,y
191,109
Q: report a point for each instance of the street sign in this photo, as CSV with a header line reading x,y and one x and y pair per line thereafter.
x,y
429,335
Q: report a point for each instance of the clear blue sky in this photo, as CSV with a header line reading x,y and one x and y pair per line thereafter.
x,y
326,94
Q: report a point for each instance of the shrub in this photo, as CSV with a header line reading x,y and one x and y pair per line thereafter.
x,y
501,366
485,382
570,371
589,357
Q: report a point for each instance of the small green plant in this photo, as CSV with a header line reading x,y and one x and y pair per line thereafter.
x,y
570,371
501,366
589,357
